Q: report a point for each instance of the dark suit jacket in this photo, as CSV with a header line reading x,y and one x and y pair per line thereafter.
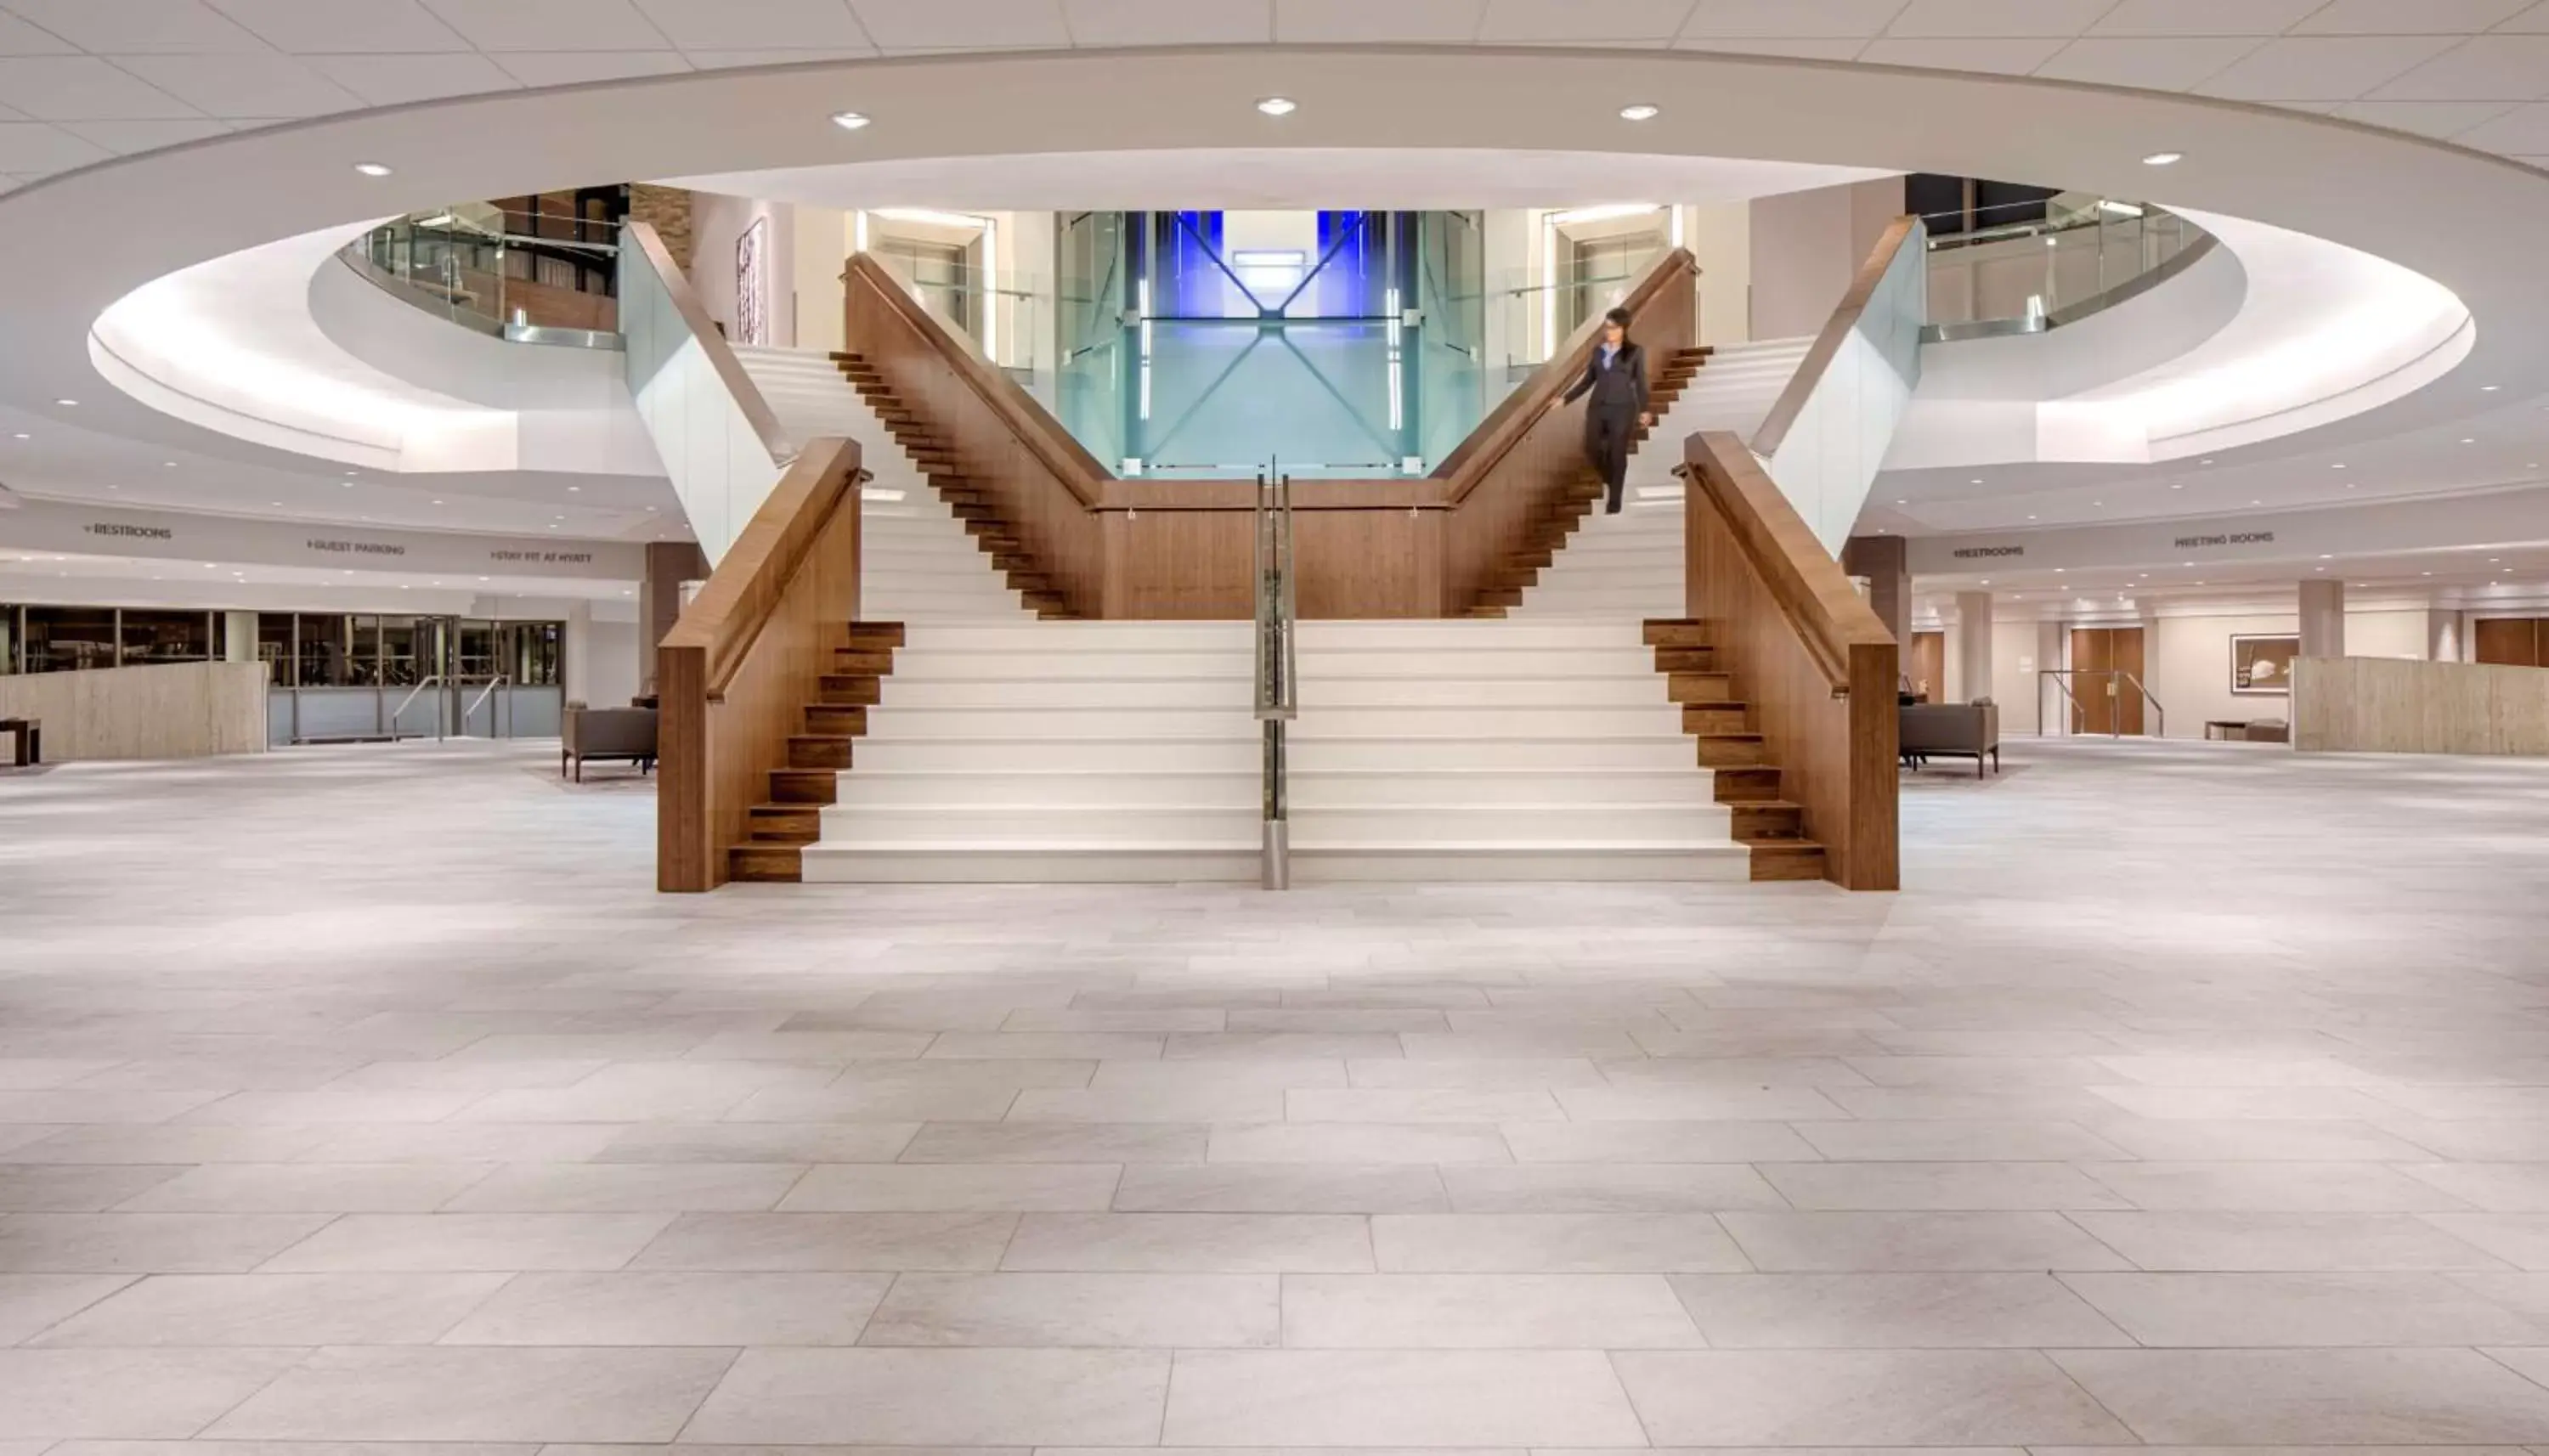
x,y
1623,386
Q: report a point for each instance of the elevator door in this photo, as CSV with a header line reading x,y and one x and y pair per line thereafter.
x,y
2106,701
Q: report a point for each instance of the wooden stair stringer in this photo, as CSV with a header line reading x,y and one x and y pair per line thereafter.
x,y
1767,821
792,817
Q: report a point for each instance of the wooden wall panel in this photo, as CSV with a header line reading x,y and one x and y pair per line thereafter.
x,y
1929,666
2391,705
2509,642
1809,655
168,710
1186,549
735,674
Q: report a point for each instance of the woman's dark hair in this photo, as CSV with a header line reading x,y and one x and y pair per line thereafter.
x,y
1617,315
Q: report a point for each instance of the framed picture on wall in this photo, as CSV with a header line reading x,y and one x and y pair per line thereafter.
x,y
2262,666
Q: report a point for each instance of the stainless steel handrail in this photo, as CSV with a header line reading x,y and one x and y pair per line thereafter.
x,y
2159,714
1278,698
431,679
470,710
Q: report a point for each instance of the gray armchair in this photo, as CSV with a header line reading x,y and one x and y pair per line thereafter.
x,y
1955,730
622,735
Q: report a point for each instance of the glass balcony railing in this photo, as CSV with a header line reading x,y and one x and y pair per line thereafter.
x,y
539,278
2071,257
1005,315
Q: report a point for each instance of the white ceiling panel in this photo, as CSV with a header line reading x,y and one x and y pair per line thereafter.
x,y
2494,68
2408,17
337,27
2533,20
2426,118
574,68
904,25
744,24
127,138
1789,18
81,88
1169,22
239,86
1570,21
1998,16
2016,57
1361,23
394,80
33,149
550,25
2522,131
135,27
2203,17
2177,63
2323,67
17,37
711,60
1804,48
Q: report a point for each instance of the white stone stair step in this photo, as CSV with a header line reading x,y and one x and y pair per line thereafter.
x,y
919,663
1030,694
1027,825
1054,755
1645,689
1075,723
1489,720
1127,788
1393,754
1206,862
1435,635
1090,637
1331,788
1314,865
1573,825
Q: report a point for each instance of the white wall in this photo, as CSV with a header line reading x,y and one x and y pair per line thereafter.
x,y
611,676
2189,660
1806,246
1721,239
718,224
2016,661
821,246
719,466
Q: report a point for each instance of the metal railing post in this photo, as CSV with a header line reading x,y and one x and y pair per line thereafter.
x,y
1277,700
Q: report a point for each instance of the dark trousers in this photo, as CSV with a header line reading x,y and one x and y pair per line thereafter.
x,y
1608,431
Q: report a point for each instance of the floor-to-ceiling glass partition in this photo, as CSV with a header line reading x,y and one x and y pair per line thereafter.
x,y
1342,342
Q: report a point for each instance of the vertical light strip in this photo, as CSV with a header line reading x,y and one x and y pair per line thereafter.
x,y
1547,287
858,231
1676,210
990,290
1142,306
1397,385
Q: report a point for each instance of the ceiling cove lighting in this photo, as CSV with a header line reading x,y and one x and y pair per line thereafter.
x,y
1643,110
2163,158
371,169
849,121
67,404
1278,106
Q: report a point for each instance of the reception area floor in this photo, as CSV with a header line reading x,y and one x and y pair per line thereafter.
x,y
2189,1095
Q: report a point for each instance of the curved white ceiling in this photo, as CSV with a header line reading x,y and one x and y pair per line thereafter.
x,y
152,215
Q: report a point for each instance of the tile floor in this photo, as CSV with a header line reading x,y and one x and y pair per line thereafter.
x,y
2190,1097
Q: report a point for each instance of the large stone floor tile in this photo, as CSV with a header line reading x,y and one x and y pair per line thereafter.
x,y
2296,1310
306,1187
1875,1312
436,1394
2305,1397
138,1394
1872,1398
1944,1186
1282,1188
880,1188
1554,1244
840,1243
1228,1243
1610,1188
147,1244
1100,1311
1354,1398
278,1310
1483,1311
1809,1242
935,1397
399,1242
663,1308
2237,1243
31,1303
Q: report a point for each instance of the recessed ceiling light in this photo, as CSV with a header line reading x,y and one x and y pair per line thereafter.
x,y
2425,574
2057,571
2324,556
67,404
1278,106
574,487
1643,111
2489,389
437,503
2338,466
2177,485
849,121
2163,158
371,169
21,435
2466,440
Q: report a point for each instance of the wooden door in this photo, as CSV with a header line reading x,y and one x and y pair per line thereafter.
x,y
1927,667
2108,702
2511,642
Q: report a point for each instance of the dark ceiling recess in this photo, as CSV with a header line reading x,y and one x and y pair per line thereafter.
x,y
1953,205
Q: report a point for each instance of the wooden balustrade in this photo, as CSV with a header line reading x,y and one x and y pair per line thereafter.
x,y
1522,463
735,674
1362,548
1037,481
1809,656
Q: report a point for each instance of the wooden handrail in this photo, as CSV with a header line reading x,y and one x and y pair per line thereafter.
x,y
735,674
1057,448
1518,412
1836,330
1820,603
726,619
712,342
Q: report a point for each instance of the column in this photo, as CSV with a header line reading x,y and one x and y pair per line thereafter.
x,y
574,654
2322,619
1884,562
659,598
1974,645
2443,637
238,637
2053,650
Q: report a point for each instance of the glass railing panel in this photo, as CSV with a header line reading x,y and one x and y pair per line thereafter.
x,y
558,284
2077,256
